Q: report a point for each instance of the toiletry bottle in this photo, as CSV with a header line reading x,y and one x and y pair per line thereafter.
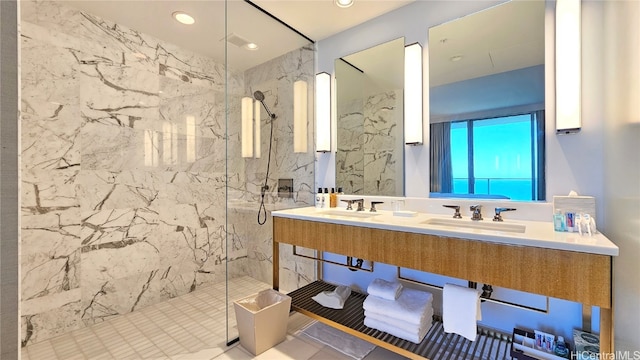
x,y
333,198
557,220
319,198
325,198
561,348
340,191
570,221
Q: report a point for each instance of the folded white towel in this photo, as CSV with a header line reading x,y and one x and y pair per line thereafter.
x,y
410,305
333,299
415,337
384,289
425,322
460,310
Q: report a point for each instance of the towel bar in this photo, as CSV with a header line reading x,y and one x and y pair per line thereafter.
x,y
497,301
370,269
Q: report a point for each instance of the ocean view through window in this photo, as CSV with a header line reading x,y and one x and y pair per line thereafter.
x,y
500,157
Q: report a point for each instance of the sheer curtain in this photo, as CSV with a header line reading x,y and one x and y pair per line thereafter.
x,y
441,172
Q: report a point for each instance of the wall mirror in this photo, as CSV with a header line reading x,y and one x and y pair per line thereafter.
x,y
486,99
369,103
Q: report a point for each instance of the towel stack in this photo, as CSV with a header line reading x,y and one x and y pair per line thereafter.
x,y
404,313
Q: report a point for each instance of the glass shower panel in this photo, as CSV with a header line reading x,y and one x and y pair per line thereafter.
x,y
264,59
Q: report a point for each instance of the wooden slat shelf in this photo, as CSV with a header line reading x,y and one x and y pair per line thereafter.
x,y
436,344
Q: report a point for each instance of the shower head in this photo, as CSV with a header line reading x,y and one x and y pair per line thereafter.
x,y
258,95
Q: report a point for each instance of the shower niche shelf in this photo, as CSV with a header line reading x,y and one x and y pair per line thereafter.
x,y
436,344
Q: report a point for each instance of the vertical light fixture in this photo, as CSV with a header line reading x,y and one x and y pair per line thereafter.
x,y
300,116
568,67
413,94
323,112
256,113
169,143
190,123
247,127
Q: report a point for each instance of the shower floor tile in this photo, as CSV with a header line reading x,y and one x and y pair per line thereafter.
x,y
192,326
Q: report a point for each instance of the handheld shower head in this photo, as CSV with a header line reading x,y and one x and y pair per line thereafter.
x,y
259,96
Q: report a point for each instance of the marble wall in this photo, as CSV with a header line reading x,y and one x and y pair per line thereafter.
x,y
124,177
369,156
275,80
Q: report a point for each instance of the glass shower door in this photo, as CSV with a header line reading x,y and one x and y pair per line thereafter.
x,y
264,59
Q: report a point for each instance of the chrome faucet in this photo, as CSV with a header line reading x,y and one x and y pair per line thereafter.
x,y
476,213
360,203
349,202
456,215
499,210
373,205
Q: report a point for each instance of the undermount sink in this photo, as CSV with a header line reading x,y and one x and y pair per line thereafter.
x,y
349,214
480,225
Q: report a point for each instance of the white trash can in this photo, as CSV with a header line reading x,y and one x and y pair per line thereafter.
x,y
262,320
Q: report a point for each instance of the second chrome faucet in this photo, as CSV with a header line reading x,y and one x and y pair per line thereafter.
x,y
476,213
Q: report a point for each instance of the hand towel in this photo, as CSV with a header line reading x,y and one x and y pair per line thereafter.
x,y
333,299
409,307
398,332
384,289
425,321
460,310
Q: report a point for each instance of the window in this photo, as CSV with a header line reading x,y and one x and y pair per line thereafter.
x,y
500,157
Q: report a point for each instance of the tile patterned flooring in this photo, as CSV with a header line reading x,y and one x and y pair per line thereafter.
x,y
189,327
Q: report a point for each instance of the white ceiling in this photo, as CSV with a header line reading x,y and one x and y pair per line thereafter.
x,y
319,19
500,39
316,19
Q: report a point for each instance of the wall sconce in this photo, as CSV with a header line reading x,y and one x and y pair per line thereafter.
x,y
323,112
413,94
300,116
568,67
257,116
247,127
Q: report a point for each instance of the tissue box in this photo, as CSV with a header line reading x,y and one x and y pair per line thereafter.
x,y
575,204
587,345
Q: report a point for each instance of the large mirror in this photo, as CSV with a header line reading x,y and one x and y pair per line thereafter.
x,y
369,99
486,84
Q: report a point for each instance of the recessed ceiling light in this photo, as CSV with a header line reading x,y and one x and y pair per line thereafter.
x,y
456,58
344,3
184,18
251,46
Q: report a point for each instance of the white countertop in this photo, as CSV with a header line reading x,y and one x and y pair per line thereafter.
x,y
535,233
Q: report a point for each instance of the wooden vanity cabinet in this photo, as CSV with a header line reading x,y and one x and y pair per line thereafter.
x,y
581,277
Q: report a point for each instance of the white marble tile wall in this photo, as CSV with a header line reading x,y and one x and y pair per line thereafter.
x,y
369,142
275,79
350,143
383,134
123,170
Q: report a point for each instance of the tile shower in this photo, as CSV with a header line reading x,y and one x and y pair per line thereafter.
x,y
367,160
124,177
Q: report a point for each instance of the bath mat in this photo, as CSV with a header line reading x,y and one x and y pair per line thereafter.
x,y
339,340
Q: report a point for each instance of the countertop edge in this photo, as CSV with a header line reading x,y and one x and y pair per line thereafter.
x,y
496,237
